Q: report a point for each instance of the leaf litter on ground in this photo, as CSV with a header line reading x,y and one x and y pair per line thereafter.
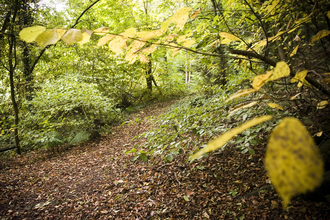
x,y
99,181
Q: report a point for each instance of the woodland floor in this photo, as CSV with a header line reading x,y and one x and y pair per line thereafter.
x,y
98,181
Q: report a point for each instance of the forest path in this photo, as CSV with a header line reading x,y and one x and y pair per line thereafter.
x,y
100,181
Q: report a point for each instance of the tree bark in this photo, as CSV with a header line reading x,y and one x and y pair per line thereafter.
x,y
12,67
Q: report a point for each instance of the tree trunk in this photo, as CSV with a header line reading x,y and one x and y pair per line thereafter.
x,y
26,20
12,67
149,76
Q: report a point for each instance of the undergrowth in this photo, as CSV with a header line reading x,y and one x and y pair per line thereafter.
x,y
192,122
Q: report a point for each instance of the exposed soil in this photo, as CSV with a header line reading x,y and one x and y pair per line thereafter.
x,y
99,181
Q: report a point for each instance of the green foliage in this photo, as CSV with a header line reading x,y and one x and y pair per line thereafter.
x,y
66,110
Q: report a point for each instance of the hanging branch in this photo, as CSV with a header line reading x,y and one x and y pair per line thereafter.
x,y
271,62
77,21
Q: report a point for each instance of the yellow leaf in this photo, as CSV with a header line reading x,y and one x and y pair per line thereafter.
x,y
295,96
299,76
49,37
293,161
182,38
117,44
189,43
218,143
72,36
86,37
260,80
152,48
322,104
136,45
175,52
29,34
165,24
181,17
240,93
281,70
320,35
143,58
274,105
263,42
294,51
195,13
147,35
328,14
170,37
242,107
105,39
229,36
225,41
130,57
129,33
88,31
101,31
318,134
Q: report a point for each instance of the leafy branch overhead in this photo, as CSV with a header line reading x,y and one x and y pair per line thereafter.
x,y
118,42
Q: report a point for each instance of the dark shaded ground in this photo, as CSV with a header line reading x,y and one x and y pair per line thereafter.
x,y
99,181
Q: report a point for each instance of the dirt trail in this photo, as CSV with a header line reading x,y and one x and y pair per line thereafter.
x,y
99,181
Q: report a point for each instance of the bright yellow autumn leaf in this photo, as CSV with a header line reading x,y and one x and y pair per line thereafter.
x,y
49,37
175,52
101,31
293,161
86,37
228,37
129,33
189,43
274,105
322,104
182,38
170,37
260,80
165,25
103,40
295,96
240,93
29,34
143,58
320,35
136,45
294,51
151,48
195,13
117,44
218,143
299,76
72,36
181,17
281,70
147,35
242,107
88,31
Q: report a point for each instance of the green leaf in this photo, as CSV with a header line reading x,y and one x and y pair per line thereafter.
x,y
143,157
169,157
252,152
186,198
